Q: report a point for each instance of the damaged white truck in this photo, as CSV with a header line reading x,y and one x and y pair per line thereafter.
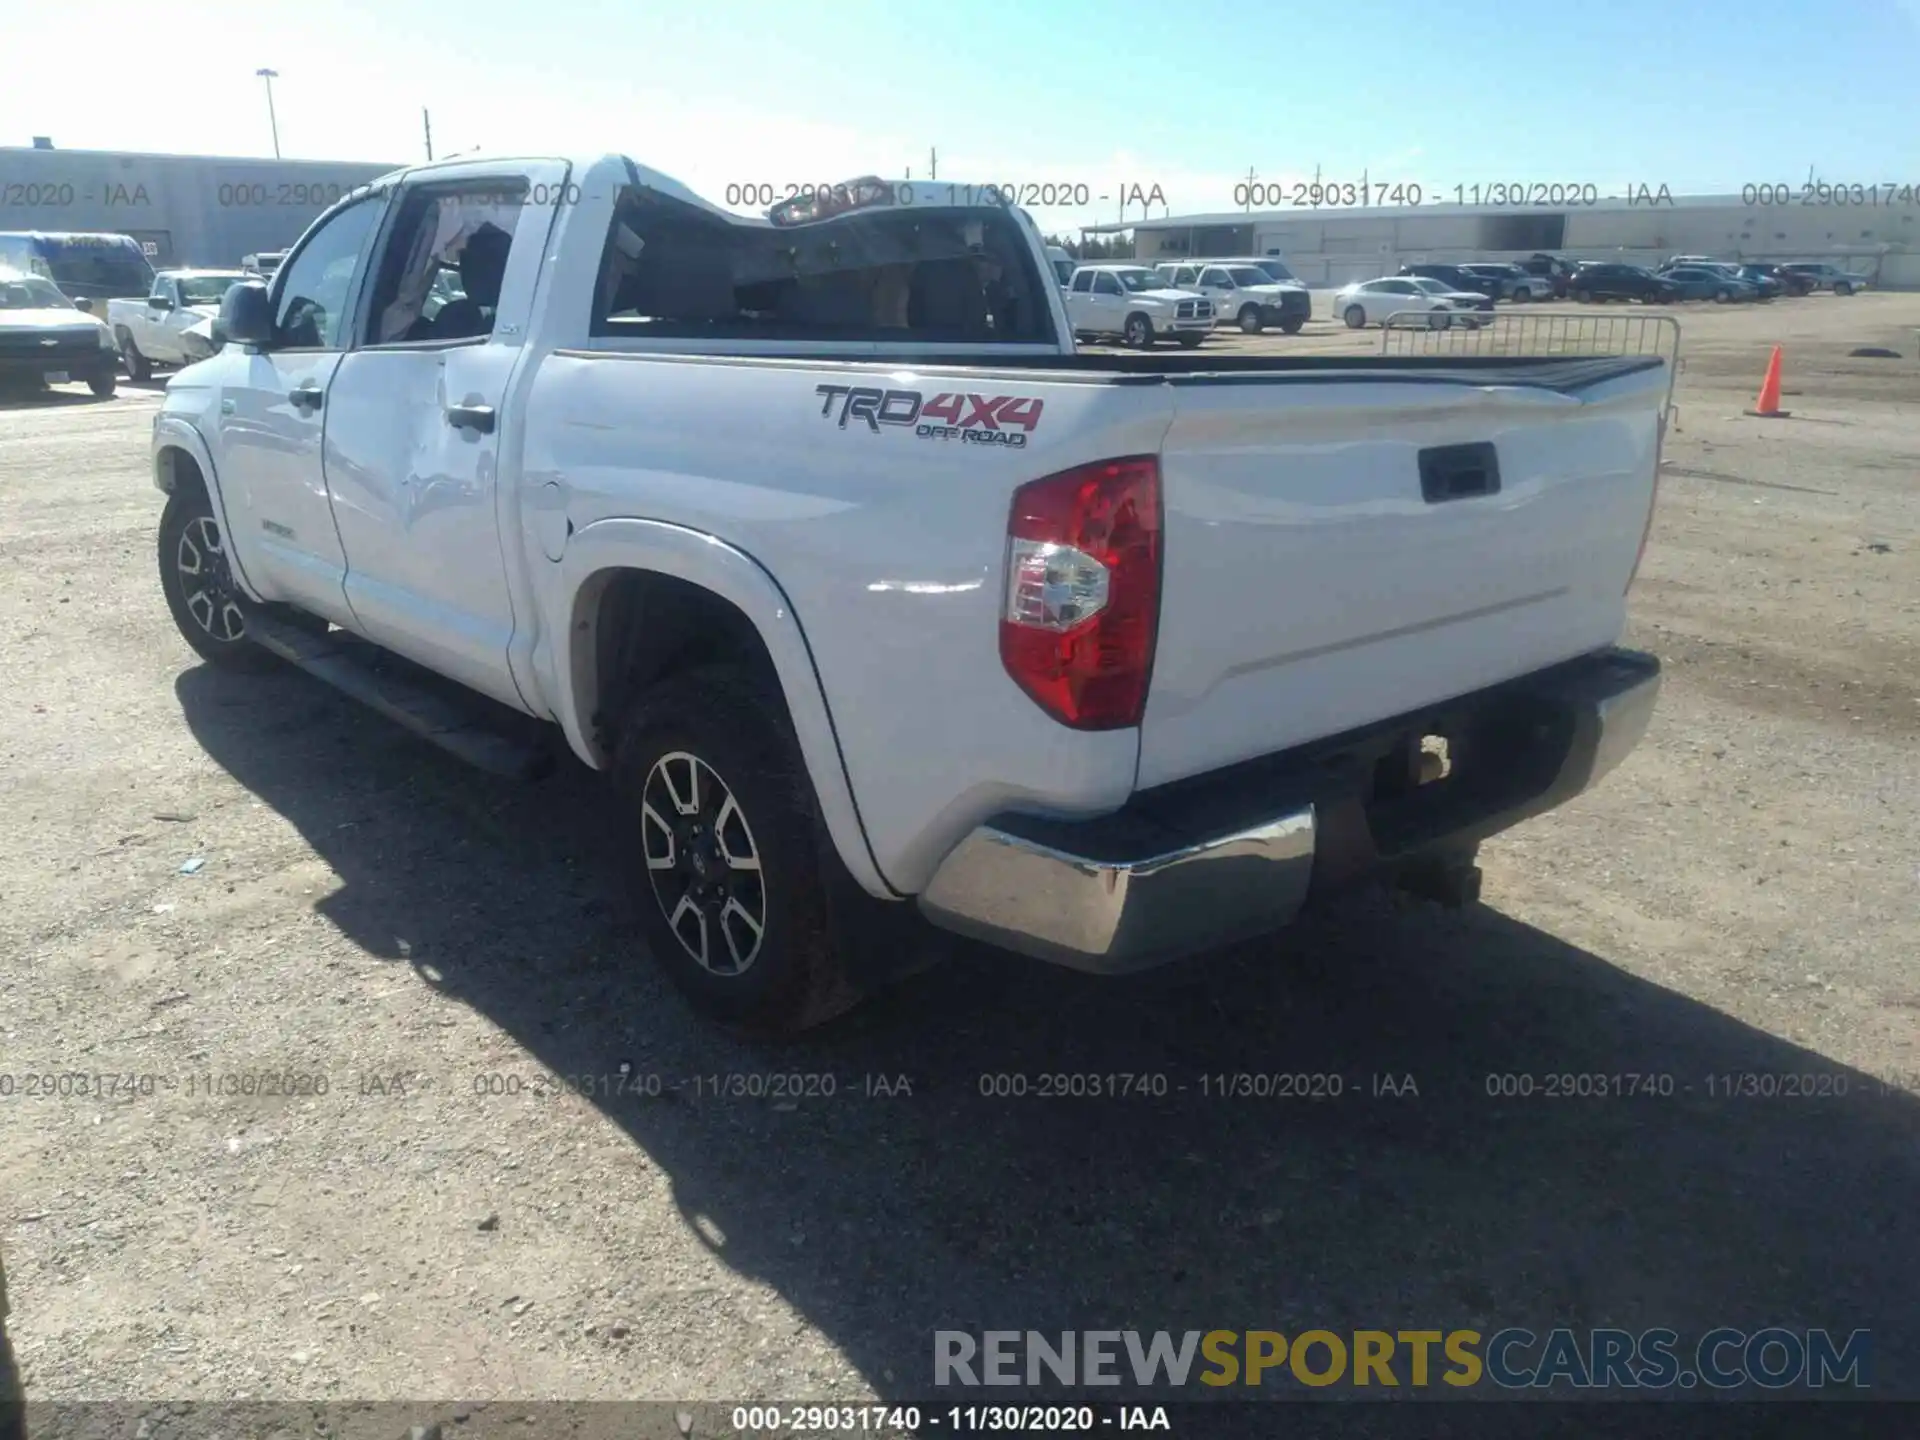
x,y
874,597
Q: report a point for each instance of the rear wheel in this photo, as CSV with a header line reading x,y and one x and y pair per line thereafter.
x,y
1249,319
1139,332
139,368
197,579
734,863
1355,317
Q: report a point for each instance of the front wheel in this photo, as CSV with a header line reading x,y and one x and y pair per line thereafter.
x,y
1842,288
1583,295
1139,332
1293,324
1249,319
1355,317
103,385
197,578
733,862
1190,340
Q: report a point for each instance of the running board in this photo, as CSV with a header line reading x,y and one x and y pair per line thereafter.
x,y
458,723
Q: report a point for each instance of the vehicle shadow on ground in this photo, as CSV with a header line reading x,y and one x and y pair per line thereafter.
x,y
882,1220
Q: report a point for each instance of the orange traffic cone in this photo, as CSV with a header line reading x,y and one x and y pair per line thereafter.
x,y
1768,405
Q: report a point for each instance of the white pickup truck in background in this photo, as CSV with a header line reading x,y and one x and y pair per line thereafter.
x,y
874,598
1136,306
173,325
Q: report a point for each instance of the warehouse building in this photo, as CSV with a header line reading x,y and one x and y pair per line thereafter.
x,y
1330,247
183,209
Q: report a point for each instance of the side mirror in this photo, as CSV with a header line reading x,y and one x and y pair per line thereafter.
x,y
159,302
83,303
246,314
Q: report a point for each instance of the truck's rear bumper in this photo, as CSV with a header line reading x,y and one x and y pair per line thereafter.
x,y
1221,857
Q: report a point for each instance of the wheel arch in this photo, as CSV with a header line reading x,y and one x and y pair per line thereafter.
x,y
181,460
644,599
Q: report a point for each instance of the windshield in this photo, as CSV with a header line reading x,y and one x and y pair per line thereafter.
x,y
1277,270
1249,275
1138,280
208,289
1432,287
30,292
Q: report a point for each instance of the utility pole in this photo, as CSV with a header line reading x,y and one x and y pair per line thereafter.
x,y
270,76
933,164
426,123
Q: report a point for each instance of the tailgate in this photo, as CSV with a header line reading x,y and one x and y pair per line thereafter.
x,y
1351,547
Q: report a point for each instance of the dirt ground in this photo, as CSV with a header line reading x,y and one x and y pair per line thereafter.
x,y
373,920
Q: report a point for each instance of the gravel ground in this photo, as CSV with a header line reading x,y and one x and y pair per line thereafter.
x,y
371,919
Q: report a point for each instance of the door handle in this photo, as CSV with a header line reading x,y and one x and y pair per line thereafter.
x,y
306,395
478,418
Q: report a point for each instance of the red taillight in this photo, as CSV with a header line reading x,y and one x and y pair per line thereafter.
x,y
1083,591
1653,502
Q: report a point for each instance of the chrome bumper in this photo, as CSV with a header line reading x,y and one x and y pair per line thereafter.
x,y
1131,891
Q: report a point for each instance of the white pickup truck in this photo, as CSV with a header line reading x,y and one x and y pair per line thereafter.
x,y
876,599
173,325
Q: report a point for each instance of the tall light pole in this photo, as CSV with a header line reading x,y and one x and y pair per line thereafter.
x,y
270,76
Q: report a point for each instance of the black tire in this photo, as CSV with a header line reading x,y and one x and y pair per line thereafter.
x,y
716,738
139,368
1840,287
1356,318
103,384
1189,340
209,609
1293,324
1139,332
1583,295
1249,319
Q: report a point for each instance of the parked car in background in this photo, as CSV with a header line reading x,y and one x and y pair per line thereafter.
x,y
1611,280
45,339
1370,302
1556,270
1243,294
1515,283
264,263
1296,309
1791,282
1702,282
173,324
90,269
1136,304
1827,277
1456,277
1472,307
1759,277
1063,264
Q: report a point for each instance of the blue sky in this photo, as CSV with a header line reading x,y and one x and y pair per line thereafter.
x,y
1186,96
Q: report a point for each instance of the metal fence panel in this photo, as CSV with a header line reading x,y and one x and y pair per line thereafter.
x,y
1533,332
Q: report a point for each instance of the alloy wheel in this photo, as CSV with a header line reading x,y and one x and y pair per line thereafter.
x,y
703,863
206,581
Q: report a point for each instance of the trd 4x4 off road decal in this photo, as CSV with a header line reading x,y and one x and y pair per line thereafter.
x,y
975,419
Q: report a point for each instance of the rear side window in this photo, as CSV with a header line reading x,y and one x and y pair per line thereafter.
x,y
1083,282
920,274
